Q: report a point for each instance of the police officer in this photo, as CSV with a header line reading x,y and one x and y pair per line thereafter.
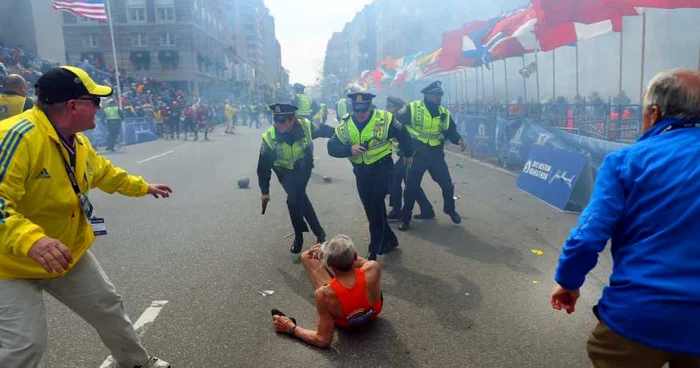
x,y
114,124
287,149
308,107
13,100
342,107
394,104
429,124
364,138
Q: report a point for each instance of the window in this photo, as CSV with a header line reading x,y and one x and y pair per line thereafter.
x,y
85,20
136,11
91,41
165,10
139,40
167,39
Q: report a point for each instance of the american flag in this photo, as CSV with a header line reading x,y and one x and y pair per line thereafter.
x,y
92,9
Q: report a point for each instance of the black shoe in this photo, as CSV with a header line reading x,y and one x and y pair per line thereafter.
x,y
321,239
425,216
403,226
390,247
371,256
298,243
455,217
394,215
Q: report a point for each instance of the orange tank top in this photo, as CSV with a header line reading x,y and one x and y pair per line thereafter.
x,y
356,308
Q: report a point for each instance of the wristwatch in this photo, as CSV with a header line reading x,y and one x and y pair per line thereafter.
x,y
292,330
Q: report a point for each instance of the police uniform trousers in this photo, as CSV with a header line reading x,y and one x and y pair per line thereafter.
x,y
372,187
431,159
301,211
396,191
114,126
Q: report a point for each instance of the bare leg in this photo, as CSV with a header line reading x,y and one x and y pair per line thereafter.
x,y
317,274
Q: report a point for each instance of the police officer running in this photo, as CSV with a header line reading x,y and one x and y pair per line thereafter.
x,y
308,107
13,100
429,124
341,107
287,149
364,138
114,124
394,104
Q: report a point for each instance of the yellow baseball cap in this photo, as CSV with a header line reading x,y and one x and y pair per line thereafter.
x,y
66,83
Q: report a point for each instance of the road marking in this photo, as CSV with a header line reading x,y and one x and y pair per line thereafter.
x,y
147,317
155,157
486,164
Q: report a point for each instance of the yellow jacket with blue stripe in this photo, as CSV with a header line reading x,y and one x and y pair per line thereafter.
x,y
36,197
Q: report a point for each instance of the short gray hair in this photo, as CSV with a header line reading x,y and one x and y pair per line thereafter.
x,y
339,252
50,109
676,93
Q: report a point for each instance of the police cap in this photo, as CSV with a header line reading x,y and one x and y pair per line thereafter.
x,y
361,101
283,109
434,88
299,86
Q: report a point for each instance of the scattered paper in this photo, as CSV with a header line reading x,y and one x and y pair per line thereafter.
x,y
535,282
537,252
266,292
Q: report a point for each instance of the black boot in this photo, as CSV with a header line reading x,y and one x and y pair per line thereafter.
x,y
455,217
403,226
298,243
371,256
391,246
394,214
320,239
425,216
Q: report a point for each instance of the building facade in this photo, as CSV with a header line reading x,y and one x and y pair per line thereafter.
x,y
26,23
176,41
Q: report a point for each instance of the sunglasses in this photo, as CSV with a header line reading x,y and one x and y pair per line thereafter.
x,y
95,100
279,119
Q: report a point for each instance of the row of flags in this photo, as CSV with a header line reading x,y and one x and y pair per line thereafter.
x,y
542,25
91,9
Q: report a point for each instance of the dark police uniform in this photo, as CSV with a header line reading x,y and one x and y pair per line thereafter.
x,y
429,125
399,177
290,156
373,168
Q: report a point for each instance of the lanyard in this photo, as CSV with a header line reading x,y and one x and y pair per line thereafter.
x,y
70,167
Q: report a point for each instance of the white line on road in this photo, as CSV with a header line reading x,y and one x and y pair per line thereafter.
x,y
155,157
148,316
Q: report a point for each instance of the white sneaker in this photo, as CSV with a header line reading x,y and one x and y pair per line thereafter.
x,y
154,362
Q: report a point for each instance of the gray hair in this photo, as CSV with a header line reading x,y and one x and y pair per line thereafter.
x,y
50,109
676,93
339,252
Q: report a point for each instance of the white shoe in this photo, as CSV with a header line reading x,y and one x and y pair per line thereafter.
x,y
154,362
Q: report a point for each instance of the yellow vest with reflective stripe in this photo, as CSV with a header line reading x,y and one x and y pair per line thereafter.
x,y
374,137
426,128
11,105
112,113
342,107
287,155
304,102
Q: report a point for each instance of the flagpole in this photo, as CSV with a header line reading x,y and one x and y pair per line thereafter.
x,y
493,82
505,71
619,87
578,93
466,84
641,78
554,75
114,54
539,100
483,83
524,84
476,74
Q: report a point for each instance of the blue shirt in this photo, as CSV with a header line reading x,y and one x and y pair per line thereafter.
x,y
647,201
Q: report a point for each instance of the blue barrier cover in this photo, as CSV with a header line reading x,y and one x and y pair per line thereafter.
x,y
138,132
551,174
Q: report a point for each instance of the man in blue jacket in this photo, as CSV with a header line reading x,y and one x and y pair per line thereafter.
x,y
647,201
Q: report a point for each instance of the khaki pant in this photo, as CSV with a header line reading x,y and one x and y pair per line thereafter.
x,y
87,291
607,349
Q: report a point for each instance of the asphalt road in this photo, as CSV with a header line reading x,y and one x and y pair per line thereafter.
x,y
469,295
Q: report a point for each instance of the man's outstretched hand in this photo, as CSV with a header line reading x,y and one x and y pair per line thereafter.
x,y
51,254
563,299
159,190
282,324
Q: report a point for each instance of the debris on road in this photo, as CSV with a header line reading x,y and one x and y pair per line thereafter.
x,y
327,179
537,252
243,183
266,292
288,235
457,197
535,282
461,166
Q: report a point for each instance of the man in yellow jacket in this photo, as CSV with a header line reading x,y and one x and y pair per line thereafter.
x,y
47,167
13,100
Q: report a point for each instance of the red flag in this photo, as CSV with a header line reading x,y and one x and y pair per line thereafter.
x,y
663,4
452,42
513,35
568,33
551,13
